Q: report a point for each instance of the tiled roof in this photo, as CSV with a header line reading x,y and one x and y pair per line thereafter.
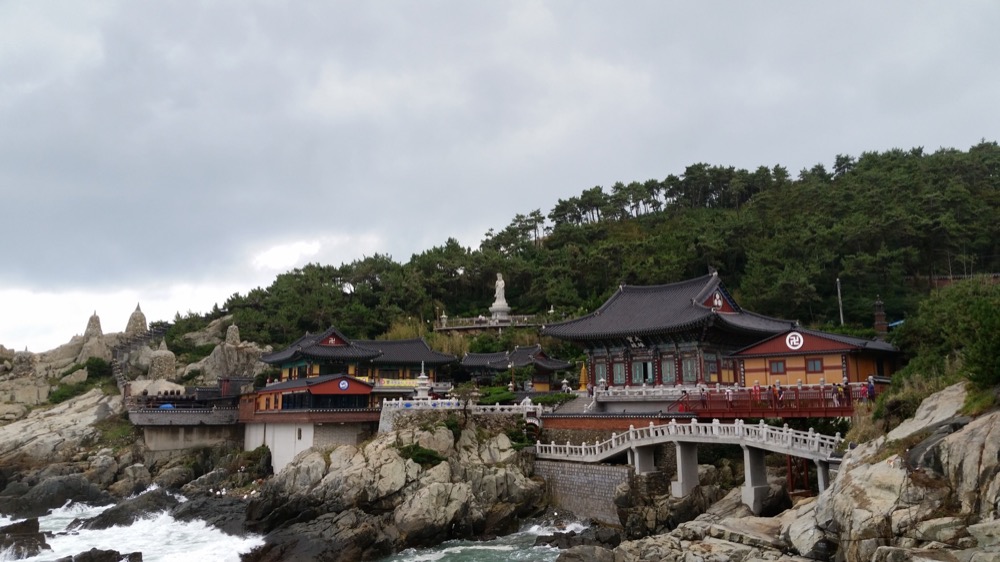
x,y
520,357
395,352
498,361
647,310
308,347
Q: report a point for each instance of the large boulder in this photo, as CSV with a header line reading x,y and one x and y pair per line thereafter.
x,y
52,493
22,539
130,510
226,513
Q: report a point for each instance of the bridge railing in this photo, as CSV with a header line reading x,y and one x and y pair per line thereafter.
x,y
810,442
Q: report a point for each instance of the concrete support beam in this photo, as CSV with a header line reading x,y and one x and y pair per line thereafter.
x,y
687,469
823,474
642,459
755,487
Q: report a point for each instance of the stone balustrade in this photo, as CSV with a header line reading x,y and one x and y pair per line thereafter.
x,y
808,444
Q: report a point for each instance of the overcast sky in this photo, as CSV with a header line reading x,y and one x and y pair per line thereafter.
x,y
173,153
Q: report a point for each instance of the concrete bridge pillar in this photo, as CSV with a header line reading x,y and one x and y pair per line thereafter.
x,y
687,469
642,459
755,487
822,474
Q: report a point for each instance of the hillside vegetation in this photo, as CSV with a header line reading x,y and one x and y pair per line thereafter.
x,y
885,223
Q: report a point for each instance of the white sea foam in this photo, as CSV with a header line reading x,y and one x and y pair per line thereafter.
x,y
160,538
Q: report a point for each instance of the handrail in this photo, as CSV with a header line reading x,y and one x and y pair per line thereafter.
x,y
780,439
400,404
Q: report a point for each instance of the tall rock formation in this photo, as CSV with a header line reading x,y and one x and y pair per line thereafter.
x,y
162,364
230,359
136,323
93,327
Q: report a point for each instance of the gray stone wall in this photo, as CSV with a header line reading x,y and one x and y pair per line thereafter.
x,y
161,438
587,490
328,436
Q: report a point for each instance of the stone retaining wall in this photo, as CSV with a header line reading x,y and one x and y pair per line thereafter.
x,y
587,490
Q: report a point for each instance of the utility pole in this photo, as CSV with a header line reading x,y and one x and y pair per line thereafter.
x,y
840,303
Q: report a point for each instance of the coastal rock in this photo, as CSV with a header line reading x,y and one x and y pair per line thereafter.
x,y
134,479
22,539
52,493
588,553
102,470
98,555
370,500
941,406
55,433
130,510
228,514
174,477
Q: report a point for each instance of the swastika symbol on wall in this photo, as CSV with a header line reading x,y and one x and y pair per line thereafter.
x,y
794,340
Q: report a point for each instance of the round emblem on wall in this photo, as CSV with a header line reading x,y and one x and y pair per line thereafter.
x,y
717,300
343,384
794,340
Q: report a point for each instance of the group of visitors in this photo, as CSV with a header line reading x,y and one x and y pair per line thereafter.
x,y
773,396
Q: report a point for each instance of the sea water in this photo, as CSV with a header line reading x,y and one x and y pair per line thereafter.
x,y
161,538
518,546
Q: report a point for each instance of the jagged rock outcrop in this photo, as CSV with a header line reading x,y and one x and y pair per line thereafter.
x,y
357,503
136,323
930,490
55,434
51,493
231,358
23,539
127,512
162,364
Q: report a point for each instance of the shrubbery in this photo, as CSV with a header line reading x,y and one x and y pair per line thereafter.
x,y
421,455
98,373
553,399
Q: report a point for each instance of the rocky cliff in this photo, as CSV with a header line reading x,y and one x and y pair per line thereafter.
x,y
361,503
930,490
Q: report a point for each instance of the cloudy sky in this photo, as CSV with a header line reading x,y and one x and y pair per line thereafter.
x,y
173,153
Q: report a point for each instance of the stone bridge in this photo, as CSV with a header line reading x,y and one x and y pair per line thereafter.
x,y
755,440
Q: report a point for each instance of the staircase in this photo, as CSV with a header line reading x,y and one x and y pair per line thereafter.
x,y
126,346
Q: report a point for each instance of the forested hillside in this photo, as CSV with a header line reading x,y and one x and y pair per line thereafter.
x,y
885,223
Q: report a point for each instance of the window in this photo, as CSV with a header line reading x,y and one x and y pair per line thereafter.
x,y
814,365
600,372
300,433
642,372
689,368
668,370
619,370
711,368
777,367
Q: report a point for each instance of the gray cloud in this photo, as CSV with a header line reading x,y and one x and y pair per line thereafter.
x,y
163,142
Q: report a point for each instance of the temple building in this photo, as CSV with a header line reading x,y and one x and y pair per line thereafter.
x,y
677,334
400,362
812,357
492,364
391,367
